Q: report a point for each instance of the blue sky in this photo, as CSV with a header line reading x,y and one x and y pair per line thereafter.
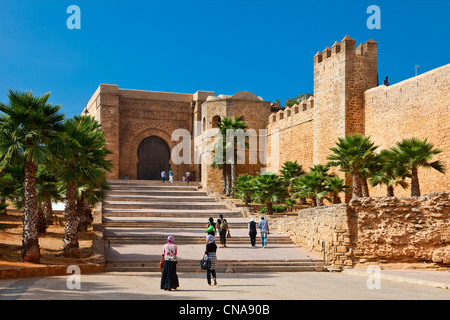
x,y
265,47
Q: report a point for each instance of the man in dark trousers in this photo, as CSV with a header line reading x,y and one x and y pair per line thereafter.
x,y
222,225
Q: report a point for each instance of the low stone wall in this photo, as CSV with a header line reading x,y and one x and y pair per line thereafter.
x,y
313,226
401,229
375,229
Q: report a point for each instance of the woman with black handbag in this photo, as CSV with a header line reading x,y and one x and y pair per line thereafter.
x,y
211,249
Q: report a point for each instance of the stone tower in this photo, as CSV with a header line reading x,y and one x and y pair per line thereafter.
x,y
341,75
254,111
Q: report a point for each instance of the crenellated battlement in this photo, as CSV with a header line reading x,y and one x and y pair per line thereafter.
x,y
347,46
288,112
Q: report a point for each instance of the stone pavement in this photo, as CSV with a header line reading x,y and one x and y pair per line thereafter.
x,y
231,286
436,279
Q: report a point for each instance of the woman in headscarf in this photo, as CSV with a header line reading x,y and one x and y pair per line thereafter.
x,y
211,249
169,278
252,232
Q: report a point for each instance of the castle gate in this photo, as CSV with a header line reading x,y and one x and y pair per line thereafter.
x,y
153,158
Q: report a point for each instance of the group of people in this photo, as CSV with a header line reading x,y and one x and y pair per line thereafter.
x,y
169,278
187,177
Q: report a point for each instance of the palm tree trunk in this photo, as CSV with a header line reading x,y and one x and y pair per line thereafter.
x,y
71,246
233,178
269,208
81,216
48,212
336,199
228,180
41,226
356,184
313,202
302,201
364,187
415,189
224,179
390,191
319,202
30,242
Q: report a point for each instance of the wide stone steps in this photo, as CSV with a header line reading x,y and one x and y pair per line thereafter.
x,y
138,216
151,222
107,204
188,213
244,266
151,199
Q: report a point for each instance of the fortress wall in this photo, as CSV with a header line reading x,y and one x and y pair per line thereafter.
x,y
417,107
295,136
141,117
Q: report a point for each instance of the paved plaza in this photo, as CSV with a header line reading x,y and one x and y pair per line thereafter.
x,y
231,286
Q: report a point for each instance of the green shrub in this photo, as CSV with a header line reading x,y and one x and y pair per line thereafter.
x,y
276,208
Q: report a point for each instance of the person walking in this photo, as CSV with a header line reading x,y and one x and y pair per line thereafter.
x,y
211,249
169,278
210,228
222,226
252,232
188,177
170,176
264,226
163,176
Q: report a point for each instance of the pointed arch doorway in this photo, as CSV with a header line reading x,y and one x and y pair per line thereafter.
x,y
153,158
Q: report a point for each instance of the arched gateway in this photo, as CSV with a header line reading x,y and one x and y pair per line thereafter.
x,y
153,158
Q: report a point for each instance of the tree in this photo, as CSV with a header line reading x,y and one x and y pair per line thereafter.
x,y
415,153
28,126
269,188
334,186
297,99
48,190
229,142
83,156
392,173
350,154
311,185
289,172
243,188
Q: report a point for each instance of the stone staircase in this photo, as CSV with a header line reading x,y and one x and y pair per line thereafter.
x,y
138,216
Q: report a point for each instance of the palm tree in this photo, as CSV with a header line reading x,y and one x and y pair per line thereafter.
x,y
229,144
243,187
28,125
392,173
48,191
350,154
269,188
84,154
334,186
312,186
289,172
415,153
89,194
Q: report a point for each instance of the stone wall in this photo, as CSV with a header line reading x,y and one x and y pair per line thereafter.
x,y
417,107
375,229
292,129
315,225
401,229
